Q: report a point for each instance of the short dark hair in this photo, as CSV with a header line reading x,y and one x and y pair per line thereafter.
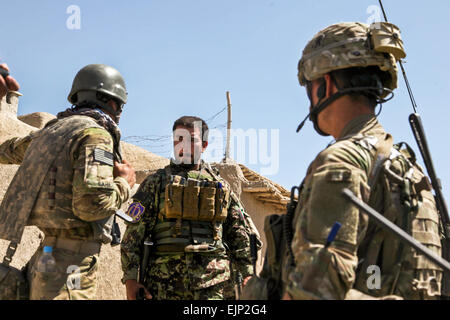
x,y
370,76
188,122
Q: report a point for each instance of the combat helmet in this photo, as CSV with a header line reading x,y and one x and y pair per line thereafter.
x,y
352,45
96,84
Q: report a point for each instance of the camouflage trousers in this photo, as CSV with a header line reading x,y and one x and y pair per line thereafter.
x,y
189,277
161,292
75,277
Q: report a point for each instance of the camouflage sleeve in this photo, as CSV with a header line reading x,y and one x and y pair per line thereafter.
x,y
328,272
131,250
12,151
96,193
237,236
142,211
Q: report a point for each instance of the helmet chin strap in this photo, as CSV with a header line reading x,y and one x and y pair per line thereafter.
x,y
313,115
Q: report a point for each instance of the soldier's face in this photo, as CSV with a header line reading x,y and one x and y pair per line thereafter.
x,y
113,104
188,145
312,91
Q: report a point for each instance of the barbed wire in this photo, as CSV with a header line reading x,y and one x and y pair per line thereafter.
x,y
210,120
162,144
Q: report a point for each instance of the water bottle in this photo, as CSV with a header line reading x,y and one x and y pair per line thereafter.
x,y
46,262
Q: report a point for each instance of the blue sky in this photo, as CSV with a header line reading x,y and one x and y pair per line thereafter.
x,y
181,56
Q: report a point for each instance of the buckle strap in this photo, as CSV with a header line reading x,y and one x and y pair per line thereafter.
x,y
12,247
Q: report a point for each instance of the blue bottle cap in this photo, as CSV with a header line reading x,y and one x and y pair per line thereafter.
x,y
48,249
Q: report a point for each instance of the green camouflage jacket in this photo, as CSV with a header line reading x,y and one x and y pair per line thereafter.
x,y
184,271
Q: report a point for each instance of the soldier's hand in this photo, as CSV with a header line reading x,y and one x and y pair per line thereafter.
x,y
133,288
8,83
126,171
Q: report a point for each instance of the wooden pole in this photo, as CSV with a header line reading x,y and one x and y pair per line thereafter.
x,y
227,151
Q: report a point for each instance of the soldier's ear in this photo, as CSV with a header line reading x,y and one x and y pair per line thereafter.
x,y
204,145
330,85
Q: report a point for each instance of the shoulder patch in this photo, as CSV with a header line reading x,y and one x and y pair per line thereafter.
x,y
341,175
368,142
104,157
136,211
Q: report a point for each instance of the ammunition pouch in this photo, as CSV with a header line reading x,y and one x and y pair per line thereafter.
x,y
13,282
196,200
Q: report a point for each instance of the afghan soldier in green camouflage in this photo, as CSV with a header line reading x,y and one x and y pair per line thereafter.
x,y
70,183
347,72
193,247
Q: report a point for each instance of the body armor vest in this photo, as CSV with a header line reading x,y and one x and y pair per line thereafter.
x,y
41,191
191,214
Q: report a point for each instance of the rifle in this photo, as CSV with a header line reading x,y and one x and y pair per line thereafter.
x,y
238,285
419,135
147,245
253,252
254,258
398,232
115,233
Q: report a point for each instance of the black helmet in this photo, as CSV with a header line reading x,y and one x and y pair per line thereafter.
x,y
94,82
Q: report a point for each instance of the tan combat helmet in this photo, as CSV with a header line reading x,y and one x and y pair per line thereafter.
x,y
353,44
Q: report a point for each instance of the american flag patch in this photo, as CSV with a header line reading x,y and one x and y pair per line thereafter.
x,y
104,157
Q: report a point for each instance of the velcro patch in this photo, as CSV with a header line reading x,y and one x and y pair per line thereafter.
x,y
136,211
104,157
339,176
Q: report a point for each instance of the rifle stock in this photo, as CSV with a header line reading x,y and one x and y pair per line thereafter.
x,y
143,267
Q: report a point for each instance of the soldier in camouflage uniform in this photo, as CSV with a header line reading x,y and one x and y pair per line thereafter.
x,y
70,183
192,247
347,72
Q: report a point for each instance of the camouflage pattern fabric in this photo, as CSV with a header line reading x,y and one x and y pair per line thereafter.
x,y
74,279
185,275
87,190
341,46
76,192
13,285
13,150
330,273
188,276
